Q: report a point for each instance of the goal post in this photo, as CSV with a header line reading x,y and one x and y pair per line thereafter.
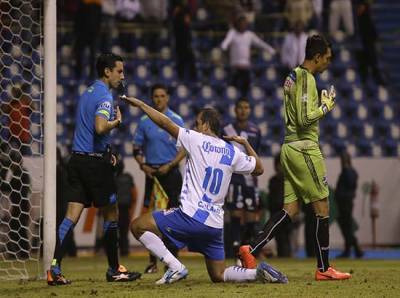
x,y
50,133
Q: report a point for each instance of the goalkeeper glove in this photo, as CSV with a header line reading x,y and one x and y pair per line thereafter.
x,y
328,100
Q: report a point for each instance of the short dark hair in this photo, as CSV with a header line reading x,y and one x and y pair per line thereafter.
x,y
242,99
158,86
316,44
212,118
106,60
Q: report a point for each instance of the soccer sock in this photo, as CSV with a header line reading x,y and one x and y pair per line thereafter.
x,y
110,229
250,231
322,242
235,232
152,259
239,274
277,220
65,228
155,245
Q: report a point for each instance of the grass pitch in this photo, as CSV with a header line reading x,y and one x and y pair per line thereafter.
x,y
371,278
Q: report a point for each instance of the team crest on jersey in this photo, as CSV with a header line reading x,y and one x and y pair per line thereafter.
x,y
105,105
290,80
325,181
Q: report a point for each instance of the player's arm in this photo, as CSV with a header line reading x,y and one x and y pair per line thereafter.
x,y
228,39
159,118
306,113
103,125
258,169
164,169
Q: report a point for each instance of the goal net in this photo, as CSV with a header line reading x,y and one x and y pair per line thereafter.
x,y
21,138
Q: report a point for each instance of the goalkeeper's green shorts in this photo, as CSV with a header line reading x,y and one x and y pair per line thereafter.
x,y
304,172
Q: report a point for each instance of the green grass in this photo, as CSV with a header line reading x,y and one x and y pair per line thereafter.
x,y
371,278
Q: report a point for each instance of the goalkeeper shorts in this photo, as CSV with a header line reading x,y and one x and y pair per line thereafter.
x,y
304,172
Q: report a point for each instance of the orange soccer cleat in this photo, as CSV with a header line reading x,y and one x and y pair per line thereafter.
x,y
331,274
55,278
247,259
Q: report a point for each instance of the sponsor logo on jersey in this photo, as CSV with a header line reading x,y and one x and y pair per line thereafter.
x,y
105,105
210,148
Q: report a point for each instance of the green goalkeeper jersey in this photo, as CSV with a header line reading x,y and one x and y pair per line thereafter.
x,y
301,105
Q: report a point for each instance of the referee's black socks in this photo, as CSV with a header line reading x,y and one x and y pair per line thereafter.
x,y
111,243
322,242
276,221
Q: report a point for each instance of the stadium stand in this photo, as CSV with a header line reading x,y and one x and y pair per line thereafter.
x,y
366,117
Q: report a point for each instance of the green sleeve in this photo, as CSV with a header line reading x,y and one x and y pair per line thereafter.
x,y
307,101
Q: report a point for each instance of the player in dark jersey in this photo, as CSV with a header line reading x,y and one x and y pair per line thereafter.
x,y
90,169
243,199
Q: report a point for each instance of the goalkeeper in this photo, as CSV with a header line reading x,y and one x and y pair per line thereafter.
x,y
301,158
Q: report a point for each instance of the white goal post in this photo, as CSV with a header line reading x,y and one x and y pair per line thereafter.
x,y
50,133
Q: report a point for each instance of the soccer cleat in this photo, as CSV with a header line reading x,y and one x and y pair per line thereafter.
x,y
247,259
151,268
268,274
331,274
55,278
172,276
121,275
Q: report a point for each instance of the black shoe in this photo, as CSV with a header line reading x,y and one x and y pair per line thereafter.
x,y
55,278
121,275
151,268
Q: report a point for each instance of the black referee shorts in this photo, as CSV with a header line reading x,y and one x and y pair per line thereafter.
x,y
90,181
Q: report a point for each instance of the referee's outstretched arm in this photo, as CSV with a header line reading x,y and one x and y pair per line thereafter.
x,y
159,118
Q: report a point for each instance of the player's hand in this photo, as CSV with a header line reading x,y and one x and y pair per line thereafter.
x,y
328,100
118,114
149,171
113,160
164,169
237,139
131,100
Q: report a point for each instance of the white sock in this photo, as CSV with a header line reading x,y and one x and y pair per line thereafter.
x,y
239,274
155,245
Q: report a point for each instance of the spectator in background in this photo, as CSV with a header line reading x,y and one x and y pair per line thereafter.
x,y
368,57
298,10
127,197
275,199
185,60
293,48
239,41
249,8
243,198
341,10
87,33
62,203
154,10
127,11
108,24
318,6
155,152
345,193
18,112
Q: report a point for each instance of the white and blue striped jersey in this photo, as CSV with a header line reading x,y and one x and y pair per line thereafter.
x,y
209,167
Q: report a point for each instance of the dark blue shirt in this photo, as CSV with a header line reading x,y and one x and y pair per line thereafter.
x,y
97,100
253,135
158,146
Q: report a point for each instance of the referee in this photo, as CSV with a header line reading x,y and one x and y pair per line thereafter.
x,y
156,153
90,169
